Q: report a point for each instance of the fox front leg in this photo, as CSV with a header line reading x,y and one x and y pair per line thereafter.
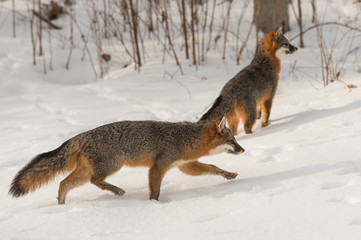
x,y
155,178
266,110
196,168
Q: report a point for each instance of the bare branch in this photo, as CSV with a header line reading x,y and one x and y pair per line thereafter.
x,y
323,24
52,25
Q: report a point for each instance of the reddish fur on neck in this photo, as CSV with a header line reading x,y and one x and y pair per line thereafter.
x,y
269,43
208,142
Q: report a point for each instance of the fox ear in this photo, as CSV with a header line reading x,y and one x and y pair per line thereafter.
x,y
221,125
279,32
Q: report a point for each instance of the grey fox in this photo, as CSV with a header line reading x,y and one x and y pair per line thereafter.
x,y
96,154
249,94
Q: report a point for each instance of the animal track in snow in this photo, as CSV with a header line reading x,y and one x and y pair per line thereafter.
x,y
347,170
332,185
275,154
266,154
347,199
356,221
207,218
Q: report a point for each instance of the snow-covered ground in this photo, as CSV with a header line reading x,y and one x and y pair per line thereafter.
x,y
300,178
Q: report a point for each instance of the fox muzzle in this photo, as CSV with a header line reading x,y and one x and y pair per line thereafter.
x,y
291,49
237,149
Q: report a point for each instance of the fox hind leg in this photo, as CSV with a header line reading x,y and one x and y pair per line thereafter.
x,y
196,168
259,112
248,113
100,183
241,112
98,179
233,121
81,174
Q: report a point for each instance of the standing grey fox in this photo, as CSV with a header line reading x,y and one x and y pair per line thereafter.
x,y
249,94
98,153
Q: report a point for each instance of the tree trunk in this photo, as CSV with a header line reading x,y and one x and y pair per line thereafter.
x,y
150,16
184,24
193,35
270,14
313,4
134,16
300,23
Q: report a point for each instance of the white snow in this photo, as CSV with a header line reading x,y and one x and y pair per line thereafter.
x,y
299,178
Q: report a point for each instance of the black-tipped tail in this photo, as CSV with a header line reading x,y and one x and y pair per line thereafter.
x,y
38,171
15,189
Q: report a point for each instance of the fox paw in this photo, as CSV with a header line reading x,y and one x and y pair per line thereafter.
x,y
230,175
61,200
120,192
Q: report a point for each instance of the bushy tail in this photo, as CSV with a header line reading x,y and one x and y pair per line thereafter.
x,y
214,112
42,169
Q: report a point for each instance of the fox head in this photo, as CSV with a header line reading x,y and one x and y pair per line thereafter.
x,y
283,46
226,141
276,45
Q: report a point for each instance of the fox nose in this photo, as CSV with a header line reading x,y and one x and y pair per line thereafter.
x,y
239,149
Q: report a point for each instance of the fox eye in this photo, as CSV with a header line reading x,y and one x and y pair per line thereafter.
x,y
286,44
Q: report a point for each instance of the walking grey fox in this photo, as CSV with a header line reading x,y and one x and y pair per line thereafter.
x,y
98,153
249,94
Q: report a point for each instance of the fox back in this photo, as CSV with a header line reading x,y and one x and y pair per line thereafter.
x,y
140,143
249,94
96,154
